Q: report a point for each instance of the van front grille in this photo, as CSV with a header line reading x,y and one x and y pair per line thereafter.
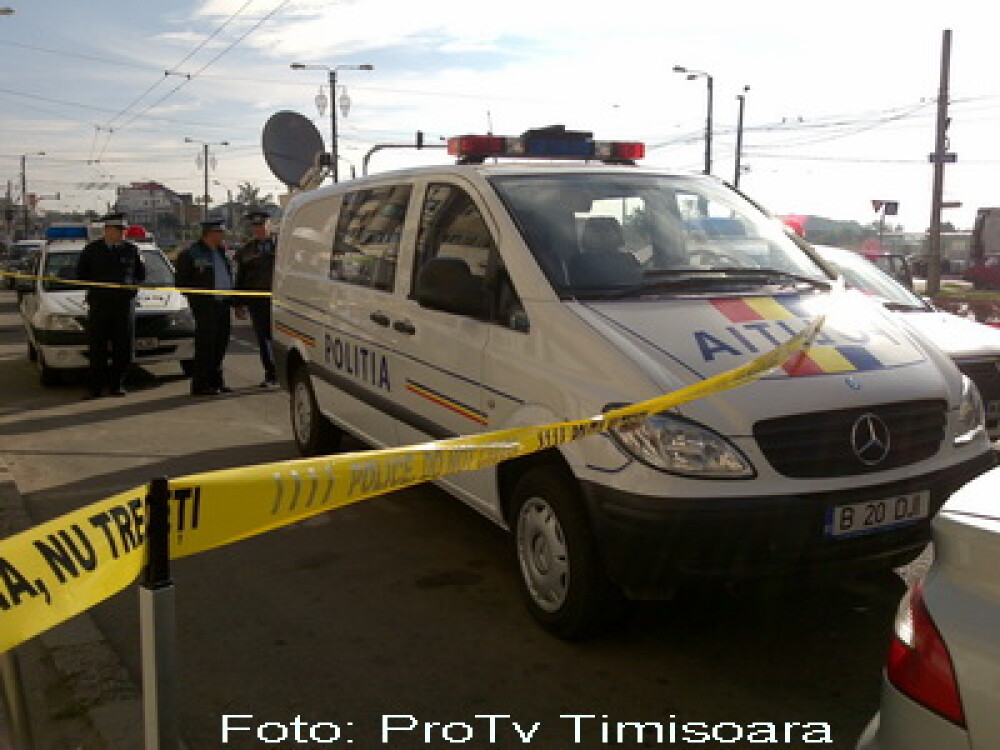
x,y
846,442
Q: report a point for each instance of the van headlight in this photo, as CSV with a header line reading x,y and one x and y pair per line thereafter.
x,y
57,322
671,443
971,418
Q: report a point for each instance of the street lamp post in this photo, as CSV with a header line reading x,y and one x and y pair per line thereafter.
x,y
692,75
229,202
739,135
24,191
204,209
332,73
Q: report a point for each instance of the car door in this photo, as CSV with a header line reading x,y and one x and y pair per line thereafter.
x,y
359,381
443,338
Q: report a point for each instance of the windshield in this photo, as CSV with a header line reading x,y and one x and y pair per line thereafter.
x,y
63,266
862,275
614,235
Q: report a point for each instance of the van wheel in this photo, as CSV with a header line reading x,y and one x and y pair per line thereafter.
x,y
562,576
314,434
187,367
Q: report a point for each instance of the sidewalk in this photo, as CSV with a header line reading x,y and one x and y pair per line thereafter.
x,y
78,696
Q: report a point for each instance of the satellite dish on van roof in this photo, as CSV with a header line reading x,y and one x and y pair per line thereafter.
x,y
293,149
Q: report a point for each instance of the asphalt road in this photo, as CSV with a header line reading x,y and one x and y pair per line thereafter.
x,y
404,610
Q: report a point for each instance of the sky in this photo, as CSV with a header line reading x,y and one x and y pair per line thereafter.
x,y
840,109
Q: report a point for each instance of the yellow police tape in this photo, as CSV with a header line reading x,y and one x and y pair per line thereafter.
x,y
107,285
60,568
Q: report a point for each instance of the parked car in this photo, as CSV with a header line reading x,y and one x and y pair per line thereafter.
x,y
974,347
941,685
18,258
54,310
984,275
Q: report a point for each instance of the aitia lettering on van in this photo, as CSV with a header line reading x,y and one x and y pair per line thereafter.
x,y
360,362
760,324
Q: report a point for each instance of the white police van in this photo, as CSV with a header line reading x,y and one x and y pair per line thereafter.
x,y
442,301
54,312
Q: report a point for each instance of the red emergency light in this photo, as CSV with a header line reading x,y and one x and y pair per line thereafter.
x,y
136,232
477,145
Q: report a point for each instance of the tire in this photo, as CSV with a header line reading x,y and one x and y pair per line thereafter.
x,y
314,434
187,367
563,580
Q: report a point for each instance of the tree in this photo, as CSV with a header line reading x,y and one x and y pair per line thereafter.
x,y
249,198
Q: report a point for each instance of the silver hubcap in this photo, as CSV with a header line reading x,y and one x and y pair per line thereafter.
x,y
302,412
541,550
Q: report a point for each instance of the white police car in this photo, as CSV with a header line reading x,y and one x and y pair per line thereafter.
x,y
447,300
54,310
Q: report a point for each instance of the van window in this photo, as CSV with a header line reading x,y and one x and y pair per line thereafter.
x,y
452,227
608,235
366,243
453,232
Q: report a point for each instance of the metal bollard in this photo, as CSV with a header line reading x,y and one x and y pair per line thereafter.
x,y
17,709
158,626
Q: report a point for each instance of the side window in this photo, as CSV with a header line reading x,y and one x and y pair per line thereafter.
x,y
457,266
451,227
366,242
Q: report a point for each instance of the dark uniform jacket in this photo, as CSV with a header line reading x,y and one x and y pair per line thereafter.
x,y
255,265
121,264
195,268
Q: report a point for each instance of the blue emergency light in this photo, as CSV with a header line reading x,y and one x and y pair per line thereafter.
x,y
554,142
66,233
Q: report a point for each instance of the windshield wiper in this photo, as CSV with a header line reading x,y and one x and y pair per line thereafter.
x,y
902,307
773,275
695,278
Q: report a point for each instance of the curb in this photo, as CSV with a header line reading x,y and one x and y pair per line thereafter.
x,y
89,671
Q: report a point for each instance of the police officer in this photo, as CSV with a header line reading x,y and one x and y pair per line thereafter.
x,y
205,265
254,272
110,311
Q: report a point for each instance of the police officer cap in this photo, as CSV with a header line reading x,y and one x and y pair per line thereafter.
x,y
113,220
257,218
213,225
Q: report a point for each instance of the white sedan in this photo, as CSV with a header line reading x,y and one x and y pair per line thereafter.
x,y
974,347
941,686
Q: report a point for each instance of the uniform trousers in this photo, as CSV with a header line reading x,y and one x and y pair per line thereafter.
x,y
211,337
110,325
260,316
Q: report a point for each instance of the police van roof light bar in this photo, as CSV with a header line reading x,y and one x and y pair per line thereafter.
x,y
66,232
554,142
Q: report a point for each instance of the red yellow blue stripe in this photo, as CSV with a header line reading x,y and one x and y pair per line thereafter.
x,y
436,397
286,329
818,359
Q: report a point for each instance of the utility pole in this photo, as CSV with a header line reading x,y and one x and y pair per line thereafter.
x,y
204,208
741,98
205,163
938,158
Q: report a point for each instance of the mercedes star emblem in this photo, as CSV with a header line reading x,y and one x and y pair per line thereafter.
x,y
870,439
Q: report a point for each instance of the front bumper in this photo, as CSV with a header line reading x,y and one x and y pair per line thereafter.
x,y
650,543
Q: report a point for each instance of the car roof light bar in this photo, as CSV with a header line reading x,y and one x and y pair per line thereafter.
x,y
554,142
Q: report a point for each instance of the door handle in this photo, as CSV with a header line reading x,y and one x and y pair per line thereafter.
x,y
404,326
380,317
